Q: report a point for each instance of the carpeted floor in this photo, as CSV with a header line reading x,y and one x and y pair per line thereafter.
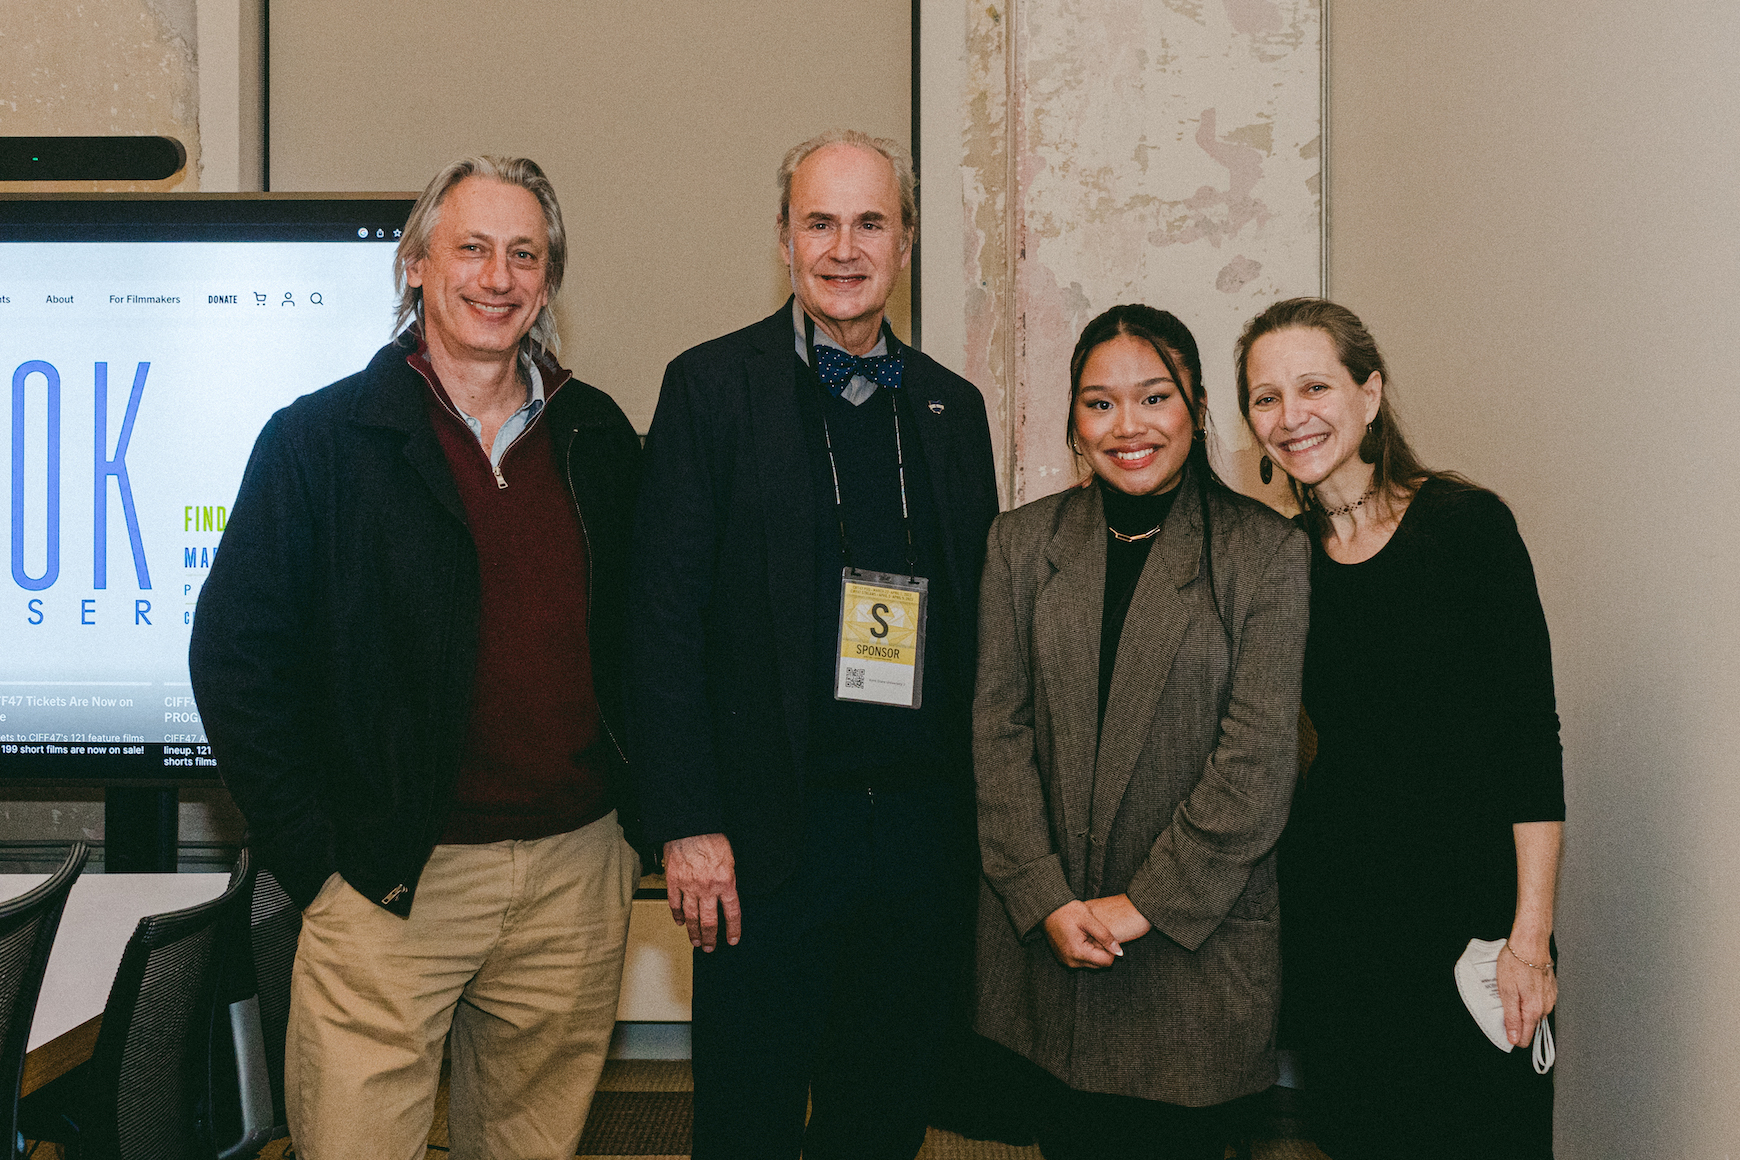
x,y
643,1110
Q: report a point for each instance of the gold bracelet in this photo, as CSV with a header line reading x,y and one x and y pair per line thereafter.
x,y
1546,970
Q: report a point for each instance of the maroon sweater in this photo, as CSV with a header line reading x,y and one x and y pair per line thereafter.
x,y
528,770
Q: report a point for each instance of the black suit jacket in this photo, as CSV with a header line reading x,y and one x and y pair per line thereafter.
x,y
723,585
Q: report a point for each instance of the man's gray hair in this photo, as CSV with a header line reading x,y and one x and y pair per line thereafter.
x,y
414,243
904,179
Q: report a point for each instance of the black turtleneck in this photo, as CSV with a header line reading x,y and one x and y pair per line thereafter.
x,y
1132,515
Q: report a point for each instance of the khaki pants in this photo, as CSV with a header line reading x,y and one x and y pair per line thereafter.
x,y
517,946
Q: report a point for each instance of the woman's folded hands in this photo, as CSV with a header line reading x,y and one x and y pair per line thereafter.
x,y
1092,933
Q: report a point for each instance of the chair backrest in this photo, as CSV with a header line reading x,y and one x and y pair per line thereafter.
x,y
274,927
148,1069
27,927
244,1108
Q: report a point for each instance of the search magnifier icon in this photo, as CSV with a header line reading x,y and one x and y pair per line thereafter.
x,y
314,299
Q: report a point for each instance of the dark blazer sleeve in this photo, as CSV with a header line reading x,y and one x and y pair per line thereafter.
x,y
675,545
253,676
1020,862
1202,861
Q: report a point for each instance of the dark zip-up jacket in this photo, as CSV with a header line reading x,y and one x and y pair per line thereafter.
x,y
335,639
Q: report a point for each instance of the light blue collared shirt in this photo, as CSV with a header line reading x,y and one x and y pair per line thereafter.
x,y
515,424
859,388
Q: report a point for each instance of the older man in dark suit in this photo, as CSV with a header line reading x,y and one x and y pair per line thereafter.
x,y
807,560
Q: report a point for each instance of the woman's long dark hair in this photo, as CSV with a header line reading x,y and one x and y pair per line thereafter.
x,y
1396,469
1175,345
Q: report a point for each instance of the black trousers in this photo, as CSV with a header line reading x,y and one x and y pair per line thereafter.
x,y
840,987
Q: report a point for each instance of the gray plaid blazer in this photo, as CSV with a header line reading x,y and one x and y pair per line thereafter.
x,y
1179,804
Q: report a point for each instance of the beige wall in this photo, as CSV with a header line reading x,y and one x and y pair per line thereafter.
x,y
661,127
1533,207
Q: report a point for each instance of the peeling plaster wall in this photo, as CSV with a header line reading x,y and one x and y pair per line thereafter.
x,y
1166,153
987,272
100,67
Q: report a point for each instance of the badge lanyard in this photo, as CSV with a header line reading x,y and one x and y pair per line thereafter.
x,y
882,614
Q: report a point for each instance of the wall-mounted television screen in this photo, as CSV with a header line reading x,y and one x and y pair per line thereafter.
x,y
145,341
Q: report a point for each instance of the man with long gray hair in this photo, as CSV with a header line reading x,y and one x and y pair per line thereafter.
x,y
806,574
407,660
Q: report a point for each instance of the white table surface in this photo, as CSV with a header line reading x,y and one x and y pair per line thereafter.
x,y
104,908
657,975
100,916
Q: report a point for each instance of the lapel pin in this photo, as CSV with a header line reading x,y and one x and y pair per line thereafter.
x,y
936,406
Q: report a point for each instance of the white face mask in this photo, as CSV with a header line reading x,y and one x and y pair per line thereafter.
x,y
1477,980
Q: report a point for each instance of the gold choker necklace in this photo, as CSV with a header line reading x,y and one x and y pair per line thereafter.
x,y
1147,535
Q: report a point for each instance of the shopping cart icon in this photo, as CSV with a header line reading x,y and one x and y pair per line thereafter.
x,y
259,298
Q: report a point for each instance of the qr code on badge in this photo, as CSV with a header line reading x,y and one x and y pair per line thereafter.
x,y
854,678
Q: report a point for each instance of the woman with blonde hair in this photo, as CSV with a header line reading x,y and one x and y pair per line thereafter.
x,y
1432,813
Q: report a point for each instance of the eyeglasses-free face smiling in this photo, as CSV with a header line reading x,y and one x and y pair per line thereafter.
x,y
1307,411
483,278
844,241
1130,419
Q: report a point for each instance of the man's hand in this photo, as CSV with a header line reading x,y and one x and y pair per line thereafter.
x,y
1120,916
700,879
1078,939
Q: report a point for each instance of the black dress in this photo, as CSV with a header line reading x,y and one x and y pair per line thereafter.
x,y
1428,676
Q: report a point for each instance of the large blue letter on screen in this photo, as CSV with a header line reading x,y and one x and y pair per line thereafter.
x,y
116,467
51,571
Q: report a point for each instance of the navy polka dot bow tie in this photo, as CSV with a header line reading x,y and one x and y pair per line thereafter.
x,y
838,366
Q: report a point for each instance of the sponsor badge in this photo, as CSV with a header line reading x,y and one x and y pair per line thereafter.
x,y
881,638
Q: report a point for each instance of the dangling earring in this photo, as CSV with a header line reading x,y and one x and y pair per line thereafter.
x,y
1266,469
1371,444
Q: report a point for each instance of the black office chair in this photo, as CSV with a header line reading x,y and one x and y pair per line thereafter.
x,y
275,925
27,926
140,1095
251,1022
